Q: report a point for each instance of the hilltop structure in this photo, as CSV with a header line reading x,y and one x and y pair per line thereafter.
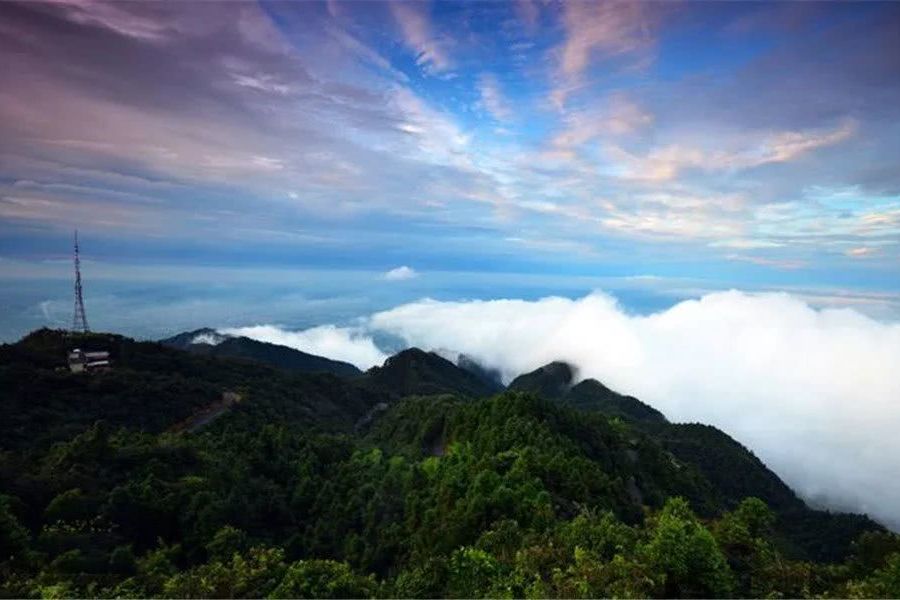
x,y
81,361
79,320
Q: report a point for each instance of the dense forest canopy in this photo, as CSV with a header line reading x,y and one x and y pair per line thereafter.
x,y
416,479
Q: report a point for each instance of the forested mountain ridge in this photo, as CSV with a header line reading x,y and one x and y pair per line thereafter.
x,y
212,343
151,386
416,372
453,494
556,381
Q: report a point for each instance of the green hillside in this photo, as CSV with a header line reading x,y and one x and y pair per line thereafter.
x,y
460,494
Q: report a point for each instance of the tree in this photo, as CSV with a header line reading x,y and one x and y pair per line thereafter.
x,y
324,579
226,542
251,575
471,573
13,535
685,554
70,506
883,583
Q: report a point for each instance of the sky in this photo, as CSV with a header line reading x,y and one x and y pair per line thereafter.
x,y
695,145
697,203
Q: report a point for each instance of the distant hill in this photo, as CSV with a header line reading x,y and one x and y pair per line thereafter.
x,y
416,372
209,342
555,381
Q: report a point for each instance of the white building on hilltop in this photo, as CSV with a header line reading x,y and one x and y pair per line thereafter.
x,y
80,361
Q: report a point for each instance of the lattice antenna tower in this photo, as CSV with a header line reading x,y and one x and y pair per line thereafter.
x,y
79,321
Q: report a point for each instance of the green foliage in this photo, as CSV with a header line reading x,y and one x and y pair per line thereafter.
x,y
254,575
471,573
883,583
122,561
684,555
872,550
13,535
72,505
510,496
226,542
323,579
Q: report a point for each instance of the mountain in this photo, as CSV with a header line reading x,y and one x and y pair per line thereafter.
x,y
151,386
555,381
209,342
733,471
736,473
203,338
551,381
590,394
490,376
645,463
176,474
416,372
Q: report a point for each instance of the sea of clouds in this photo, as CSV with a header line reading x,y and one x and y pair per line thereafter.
x,y
814,393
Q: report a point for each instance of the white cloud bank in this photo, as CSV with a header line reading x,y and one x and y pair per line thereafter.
x,y
814,393
338,343
213,339
401,274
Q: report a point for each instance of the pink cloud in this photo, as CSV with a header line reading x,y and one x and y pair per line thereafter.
x,y
419,35
599,30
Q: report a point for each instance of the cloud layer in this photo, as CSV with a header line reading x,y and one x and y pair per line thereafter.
x,y
338,343
812,392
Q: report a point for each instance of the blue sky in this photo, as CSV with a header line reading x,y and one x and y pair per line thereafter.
x,y
280,158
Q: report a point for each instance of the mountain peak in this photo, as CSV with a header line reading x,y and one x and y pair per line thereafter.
x,y
416,372
555,381
413,354
551,381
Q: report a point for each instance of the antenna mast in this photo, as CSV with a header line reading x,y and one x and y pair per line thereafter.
x,y
79,322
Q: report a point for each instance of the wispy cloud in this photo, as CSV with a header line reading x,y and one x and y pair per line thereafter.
x,y
303,125
529,12
402,273
147,25
599,31
419,36
778,263
619,115
492,98
861,252
747,151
